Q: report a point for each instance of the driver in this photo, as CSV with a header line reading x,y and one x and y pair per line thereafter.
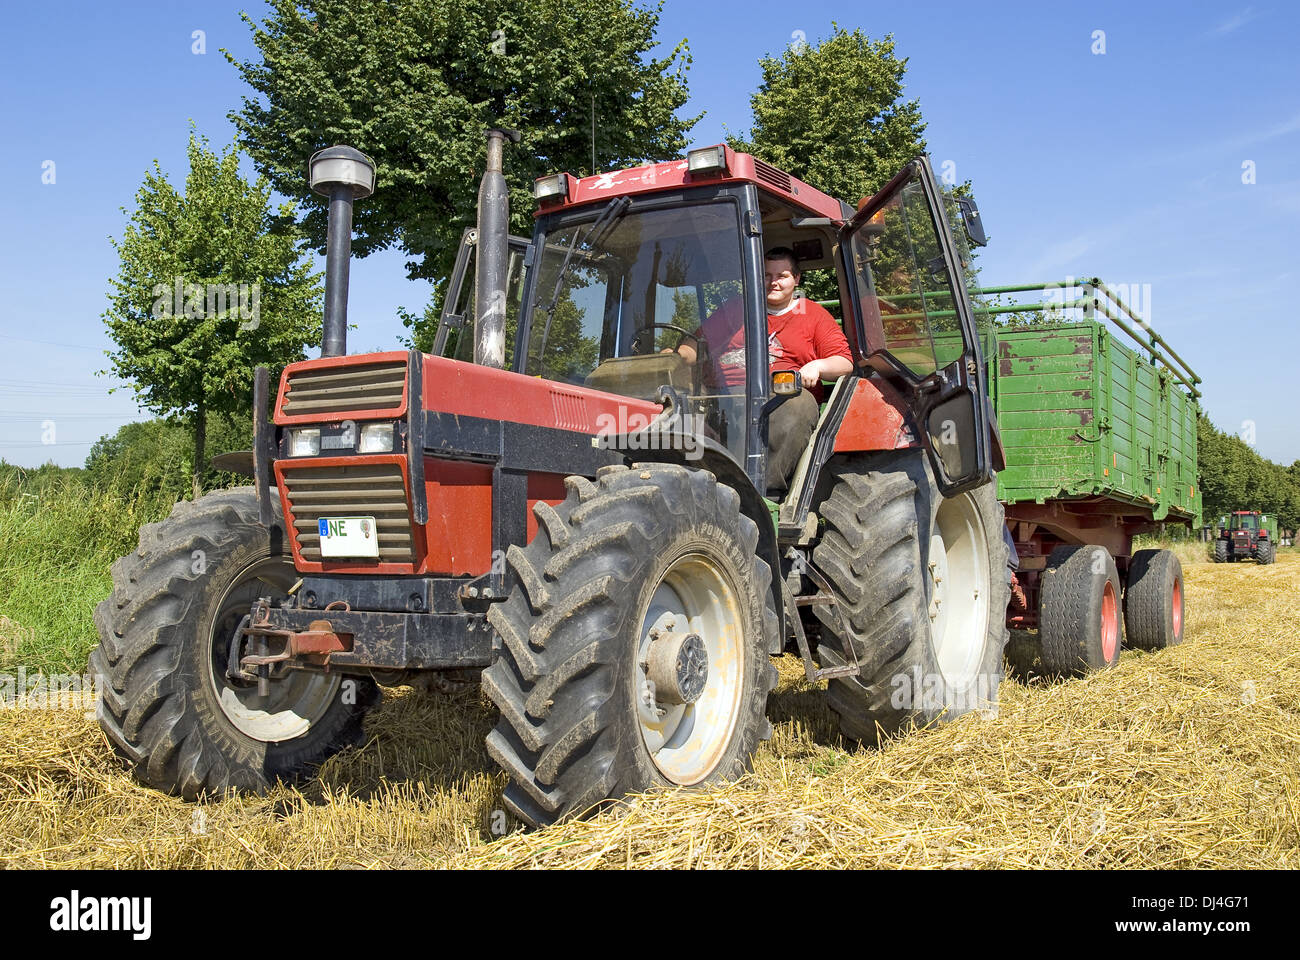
x,y
801,336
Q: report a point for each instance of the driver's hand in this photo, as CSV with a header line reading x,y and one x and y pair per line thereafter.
x,y
810,374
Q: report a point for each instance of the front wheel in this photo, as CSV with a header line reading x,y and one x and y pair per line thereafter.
x,y
634,644
1264,553
168,707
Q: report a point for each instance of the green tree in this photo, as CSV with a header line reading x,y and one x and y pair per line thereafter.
x,y
155,458
833,115
414,83
212,283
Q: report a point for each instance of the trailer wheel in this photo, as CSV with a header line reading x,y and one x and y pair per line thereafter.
x,y
923,587
1080,626
635,643
1264,552
1220,551
1153,600
167,705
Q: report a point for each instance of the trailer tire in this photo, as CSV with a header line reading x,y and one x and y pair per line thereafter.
x,y
1221,551
885,522
166,705
619,569
1153,600
1264,552
1080,624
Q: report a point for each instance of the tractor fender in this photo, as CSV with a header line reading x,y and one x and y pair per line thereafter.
x,y
665,442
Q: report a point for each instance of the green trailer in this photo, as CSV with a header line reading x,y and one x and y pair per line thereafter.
x,y
1097,416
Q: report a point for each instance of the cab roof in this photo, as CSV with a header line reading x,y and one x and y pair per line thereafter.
x,y
673,175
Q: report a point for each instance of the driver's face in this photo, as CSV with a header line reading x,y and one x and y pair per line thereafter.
x,y
781,278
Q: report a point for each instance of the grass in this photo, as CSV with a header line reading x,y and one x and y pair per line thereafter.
x,y
57,543
1184,758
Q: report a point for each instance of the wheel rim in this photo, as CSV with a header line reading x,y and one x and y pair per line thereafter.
x,y
1109,623
959,580
295,702
1178,608
686,741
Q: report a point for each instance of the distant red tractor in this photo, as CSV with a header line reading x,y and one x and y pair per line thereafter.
x,y
1246,535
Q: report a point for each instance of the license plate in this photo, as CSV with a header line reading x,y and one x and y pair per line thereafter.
x,y
348,537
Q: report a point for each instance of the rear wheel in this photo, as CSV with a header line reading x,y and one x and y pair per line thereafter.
x,y
168,706
1153,600
635,643
923,586
1080,626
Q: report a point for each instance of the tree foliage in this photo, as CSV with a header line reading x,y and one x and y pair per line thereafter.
x,y
211,284
155,459
1233,476
833,115
415,83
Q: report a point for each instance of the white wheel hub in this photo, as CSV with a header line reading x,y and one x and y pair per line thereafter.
x,y
296,701
960,589
690,667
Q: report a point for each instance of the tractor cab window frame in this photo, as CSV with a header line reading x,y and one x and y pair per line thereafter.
x,y
735,404
455,337
900,261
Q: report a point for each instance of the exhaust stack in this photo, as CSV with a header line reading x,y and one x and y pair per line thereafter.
x,y
344,175
493,255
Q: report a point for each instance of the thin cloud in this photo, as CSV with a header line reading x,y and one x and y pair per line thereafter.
x,y
1235,22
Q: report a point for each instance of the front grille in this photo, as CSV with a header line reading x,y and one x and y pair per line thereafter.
x,y
333,390
770,174
364,490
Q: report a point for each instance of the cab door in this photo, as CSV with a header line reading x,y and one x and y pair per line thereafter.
x,y
909,291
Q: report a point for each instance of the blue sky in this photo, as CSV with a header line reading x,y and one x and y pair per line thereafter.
x,y
1129,165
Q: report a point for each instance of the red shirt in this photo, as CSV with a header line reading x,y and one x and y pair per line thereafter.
x,y
804,333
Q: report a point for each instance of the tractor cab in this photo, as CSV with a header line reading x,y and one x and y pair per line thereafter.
x,y
648,283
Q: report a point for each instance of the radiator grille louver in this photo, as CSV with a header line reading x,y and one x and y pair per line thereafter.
x,y
320,392
366,490
770,174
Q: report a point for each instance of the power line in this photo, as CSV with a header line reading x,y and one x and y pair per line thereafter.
x,y
50,343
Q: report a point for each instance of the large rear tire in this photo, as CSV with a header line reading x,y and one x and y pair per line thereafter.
x,y
1153,600
601,690
1079,621
923,587
167,705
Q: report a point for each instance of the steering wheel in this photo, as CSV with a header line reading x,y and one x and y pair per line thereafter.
x,y
638,347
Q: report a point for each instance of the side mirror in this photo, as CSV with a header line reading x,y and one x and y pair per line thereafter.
x,y
951,426
970,216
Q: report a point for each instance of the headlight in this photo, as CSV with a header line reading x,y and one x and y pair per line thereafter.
x,y
556,185
304,443
707,160
376,438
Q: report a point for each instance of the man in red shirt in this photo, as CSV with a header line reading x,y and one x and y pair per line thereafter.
x,y
802,337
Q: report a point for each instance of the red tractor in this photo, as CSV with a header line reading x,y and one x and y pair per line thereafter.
x,y
1247,535
557,499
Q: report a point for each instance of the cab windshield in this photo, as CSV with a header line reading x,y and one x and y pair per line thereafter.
x,y
618,294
